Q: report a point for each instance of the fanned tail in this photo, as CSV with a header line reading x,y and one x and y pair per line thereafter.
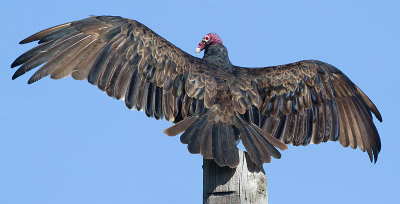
x,y
213,140
218,141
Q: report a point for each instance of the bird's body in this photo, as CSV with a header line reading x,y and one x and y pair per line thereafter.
x,y
213,102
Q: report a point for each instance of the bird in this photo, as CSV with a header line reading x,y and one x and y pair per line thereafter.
x,y
213,104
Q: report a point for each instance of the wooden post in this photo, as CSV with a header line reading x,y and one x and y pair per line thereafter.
x,y
245,184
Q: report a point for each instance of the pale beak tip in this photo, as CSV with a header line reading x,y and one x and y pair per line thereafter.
x,y
198,50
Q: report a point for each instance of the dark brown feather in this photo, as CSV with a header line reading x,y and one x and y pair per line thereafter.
x,y
360,135
113,78
130,96
115,63
31,53
248,143
158,114
141,93
217,145
180,127
345,129
229,149
289,129
320,130
195,138
206,141
349,108
44,33
123,81
149,108
300,132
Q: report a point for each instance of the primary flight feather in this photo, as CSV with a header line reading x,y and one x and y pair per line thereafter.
x,y
214,103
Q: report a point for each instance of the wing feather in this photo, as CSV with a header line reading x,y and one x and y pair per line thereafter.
x,y
122,57
313,102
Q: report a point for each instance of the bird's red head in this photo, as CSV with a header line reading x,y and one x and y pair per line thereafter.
x,y
209,39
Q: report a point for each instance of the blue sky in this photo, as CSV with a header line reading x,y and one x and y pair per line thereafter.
x,y
67,142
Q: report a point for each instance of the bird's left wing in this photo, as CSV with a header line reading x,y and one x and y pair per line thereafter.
x,y
312,102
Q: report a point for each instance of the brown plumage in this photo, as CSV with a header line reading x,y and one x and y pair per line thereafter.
x,y
213,102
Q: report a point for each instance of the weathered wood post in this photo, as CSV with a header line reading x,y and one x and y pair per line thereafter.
x,y
245,184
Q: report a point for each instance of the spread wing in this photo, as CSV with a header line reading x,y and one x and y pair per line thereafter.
x,y
300,103
313,102
122,57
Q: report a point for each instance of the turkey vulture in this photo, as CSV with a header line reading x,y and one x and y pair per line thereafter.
x,y
214,103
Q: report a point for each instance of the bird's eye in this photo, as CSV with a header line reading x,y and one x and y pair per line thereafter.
x,y
206,39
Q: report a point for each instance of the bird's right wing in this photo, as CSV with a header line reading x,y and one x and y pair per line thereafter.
x,y
122,57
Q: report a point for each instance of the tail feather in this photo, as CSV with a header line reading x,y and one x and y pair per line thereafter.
x,y
218,141
224,148
271,139
216,145
187,136
194,141
251,148
231,157
180,127
206,141
265,149
262,143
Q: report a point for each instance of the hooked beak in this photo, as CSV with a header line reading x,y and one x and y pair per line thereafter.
x,y
200,47
198,50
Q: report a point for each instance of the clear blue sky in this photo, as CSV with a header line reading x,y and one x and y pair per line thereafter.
x,y
67,142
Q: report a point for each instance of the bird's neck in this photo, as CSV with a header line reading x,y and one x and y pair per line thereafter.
x,y
217,54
